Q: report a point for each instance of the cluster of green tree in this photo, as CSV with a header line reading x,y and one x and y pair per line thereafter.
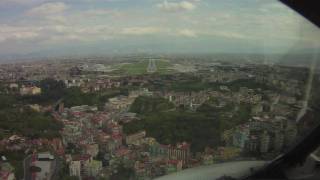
x,y
198,85
194,85
14,117
298,73
75,97
249,83
2,89
145,105
241,113
29,123
7,101
53,90
174,127
202,128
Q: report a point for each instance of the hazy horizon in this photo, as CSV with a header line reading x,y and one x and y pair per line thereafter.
x,y
44,28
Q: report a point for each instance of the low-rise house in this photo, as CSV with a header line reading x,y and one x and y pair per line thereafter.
x,y
83,160
33,90
135,139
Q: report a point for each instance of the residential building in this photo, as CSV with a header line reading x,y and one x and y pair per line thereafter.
x,y
135,139
180,152
30,91
75,169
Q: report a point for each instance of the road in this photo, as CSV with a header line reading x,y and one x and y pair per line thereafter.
x,y
55,166
26,163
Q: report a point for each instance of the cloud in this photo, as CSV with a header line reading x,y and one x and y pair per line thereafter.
x,y
58,19
17,33
21,2
48,9
230,35
50,24
141,30
187,33
176,6
274,7
103,13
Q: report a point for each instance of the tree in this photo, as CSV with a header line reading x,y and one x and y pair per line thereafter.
x,y
6,101
52,90
29,123
177,126
145,105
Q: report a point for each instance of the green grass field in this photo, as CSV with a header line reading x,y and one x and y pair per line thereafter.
x,y
141,67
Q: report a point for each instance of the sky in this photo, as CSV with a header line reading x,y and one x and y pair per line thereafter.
x,y
89,27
